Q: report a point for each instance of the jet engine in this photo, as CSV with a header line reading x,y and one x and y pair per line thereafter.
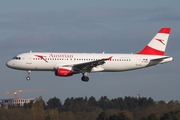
x,y
64,71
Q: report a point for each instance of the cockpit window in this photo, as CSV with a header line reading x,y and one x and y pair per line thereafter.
x,y
17,58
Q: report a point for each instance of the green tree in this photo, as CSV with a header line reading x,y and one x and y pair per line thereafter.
x,y
117,103
104,103
143,118
166,116
92,101
4,118
28,105
171,116
37,110
52,114
152,116
113,117
68,103
102,116
54,103
123,116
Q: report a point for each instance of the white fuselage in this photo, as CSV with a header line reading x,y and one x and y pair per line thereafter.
x,y
36,61
67,64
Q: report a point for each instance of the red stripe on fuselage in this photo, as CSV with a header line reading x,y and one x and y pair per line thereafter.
x,y
151,51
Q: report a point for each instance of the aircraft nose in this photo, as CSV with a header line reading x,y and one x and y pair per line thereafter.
x,y
9,64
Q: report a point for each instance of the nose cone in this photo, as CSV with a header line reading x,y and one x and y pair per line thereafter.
x,y
10,64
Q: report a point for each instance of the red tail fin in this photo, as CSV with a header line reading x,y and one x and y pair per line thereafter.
x,y
157,45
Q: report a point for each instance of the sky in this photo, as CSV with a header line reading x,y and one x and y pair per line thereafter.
x,y
92,26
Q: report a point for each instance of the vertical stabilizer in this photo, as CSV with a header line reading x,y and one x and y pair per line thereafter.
x,y
157,45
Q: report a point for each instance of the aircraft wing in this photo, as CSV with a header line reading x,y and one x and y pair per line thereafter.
x,y
87,66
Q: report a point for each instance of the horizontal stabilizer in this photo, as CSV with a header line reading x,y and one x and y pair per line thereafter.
x,y
162,60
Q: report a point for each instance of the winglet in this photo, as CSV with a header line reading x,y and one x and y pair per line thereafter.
x,y
157,45
110,58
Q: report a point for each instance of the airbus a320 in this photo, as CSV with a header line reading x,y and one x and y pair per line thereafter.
x,y
68,64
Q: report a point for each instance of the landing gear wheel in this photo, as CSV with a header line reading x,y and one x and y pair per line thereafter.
x,y
85,78
28,78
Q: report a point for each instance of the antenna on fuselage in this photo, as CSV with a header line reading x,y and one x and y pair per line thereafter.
x,y
31,51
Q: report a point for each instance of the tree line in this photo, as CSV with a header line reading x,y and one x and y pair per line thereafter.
x,y
83,108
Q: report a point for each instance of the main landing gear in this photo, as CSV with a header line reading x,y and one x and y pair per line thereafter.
x,y
28,77
85,78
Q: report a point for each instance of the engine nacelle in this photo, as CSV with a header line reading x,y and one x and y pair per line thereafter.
x,y
64,71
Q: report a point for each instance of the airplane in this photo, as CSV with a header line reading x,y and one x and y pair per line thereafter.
x,y
68,64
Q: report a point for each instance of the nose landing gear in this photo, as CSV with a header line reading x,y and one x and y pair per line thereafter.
x,y
28,77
